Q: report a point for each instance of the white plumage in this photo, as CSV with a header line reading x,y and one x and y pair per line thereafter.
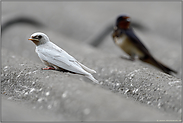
x,y
55,57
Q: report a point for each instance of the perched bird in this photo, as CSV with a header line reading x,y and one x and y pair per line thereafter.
x,y
124,37
58,59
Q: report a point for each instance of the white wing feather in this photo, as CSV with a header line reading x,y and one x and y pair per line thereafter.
x,y
55,55
86,68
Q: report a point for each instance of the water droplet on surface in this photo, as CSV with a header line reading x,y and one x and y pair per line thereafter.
x,y
159,105
26,93
131,76
5,68
41,99
34,107
55,103
10,98
174,82
149,102
21,64
103,69
41,107
24,87
118,84
49,106
180,111
40,89
126,91
18,75
47,93
31,90
28,73
64,95
86,111
106,80
33,83
34,71
135,90
101,83
178,86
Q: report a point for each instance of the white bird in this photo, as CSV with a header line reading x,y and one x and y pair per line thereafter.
x,y
56,58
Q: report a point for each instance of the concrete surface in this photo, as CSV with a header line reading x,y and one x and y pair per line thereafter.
x,y
128,91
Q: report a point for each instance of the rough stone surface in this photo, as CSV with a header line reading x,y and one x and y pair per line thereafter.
x,y
72,97
128,91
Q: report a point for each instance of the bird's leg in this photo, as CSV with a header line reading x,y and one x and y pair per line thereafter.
x,y
48,68
133,57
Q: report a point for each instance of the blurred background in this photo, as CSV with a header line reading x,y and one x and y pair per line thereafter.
x,y
158,25
73,25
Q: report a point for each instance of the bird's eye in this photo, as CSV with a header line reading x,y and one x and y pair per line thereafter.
x,y
39,36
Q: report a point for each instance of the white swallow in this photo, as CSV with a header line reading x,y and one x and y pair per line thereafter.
x,y
56,58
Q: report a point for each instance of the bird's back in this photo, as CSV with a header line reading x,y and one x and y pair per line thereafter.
x,y
55,55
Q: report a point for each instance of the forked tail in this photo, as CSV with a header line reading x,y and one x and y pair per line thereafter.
x,y
86,68
92,78
157,64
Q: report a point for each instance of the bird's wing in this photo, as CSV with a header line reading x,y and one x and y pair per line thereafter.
x,y
135,40
61,59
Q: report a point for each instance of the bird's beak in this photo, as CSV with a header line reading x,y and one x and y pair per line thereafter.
x,y
33,39
128,19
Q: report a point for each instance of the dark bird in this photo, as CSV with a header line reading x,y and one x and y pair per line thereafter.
x,y
124,36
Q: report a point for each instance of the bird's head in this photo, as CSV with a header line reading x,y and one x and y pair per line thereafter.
x,y
123,22
39,38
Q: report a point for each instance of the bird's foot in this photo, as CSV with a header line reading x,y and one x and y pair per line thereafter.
x,y
48,68
126,58
132,59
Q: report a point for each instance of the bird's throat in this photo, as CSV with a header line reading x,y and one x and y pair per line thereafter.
x,y
35,42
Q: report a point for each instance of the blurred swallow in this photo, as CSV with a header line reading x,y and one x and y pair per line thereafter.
x,y
58,59
124,36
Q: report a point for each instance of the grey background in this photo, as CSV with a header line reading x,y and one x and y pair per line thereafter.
x,y
132,91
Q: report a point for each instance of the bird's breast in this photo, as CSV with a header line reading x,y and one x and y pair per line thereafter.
x,y
121,40
128,46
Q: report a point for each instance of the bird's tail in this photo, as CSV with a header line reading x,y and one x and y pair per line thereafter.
x,y
86,68
92,78
158,64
